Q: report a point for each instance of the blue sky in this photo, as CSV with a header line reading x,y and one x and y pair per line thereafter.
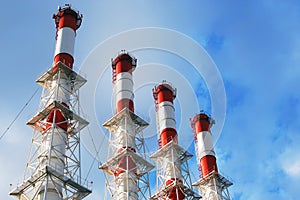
x,y
255,45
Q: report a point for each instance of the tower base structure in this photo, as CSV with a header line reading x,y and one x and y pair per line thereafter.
x,y
174,158
53,168
214,187
126,169
31,188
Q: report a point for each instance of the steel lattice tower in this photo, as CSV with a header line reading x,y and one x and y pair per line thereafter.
x,y
212,184
127,167
173,178
53,169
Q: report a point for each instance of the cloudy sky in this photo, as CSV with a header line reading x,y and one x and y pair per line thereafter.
x,y
254,44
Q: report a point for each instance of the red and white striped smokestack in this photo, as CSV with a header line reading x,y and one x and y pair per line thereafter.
x,y
201,124
55,133
67,21
164,95
123,66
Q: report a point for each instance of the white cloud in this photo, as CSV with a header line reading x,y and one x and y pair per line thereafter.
x,y
293,169
290,160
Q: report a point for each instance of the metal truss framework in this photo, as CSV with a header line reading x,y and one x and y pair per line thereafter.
x,y
41,172
214,187
178,162
129,126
